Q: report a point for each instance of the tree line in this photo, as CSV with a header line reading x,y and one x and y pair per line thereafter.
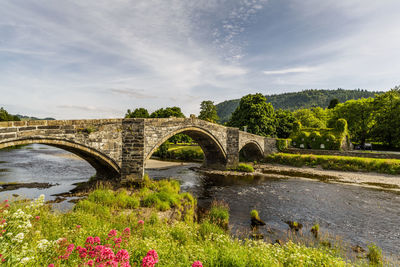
x,y
5,116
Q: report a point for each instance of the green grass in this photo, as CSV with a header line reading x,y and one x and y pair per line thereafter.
x,y
183,152
178,243
242,167
341,163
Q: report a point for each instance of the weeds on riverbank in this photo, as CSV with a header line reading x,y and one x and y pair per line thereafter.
x,y
341,163
109,227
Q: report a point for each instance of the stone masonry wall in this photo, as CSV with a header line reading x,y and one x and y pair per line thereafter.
x,y
102,136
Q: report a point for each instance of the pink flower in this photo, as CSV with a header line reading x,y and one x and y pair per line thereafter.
x,y
112,233
153,253
6,206
122,255
127,231
140,222
90,240
148,261
90,263
37,218
117,240
78,226
50,265
97,240
197,264
5,200
70,247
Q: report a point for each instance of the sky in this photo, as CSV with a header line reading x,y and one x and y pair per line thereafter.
x,y
79,59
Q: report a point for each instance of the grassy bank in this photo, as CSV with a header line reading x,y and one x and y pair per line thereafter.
x,y
138,228
181,152
341,163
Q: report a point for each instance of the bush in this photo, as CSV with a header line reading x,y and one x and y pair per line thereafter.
x,y
254,214
219,214
341,126
375,255
282,144
315,140
242,167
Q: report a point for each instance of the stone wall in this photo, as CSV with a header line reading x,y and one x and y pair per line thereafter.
x,y
97,141
120,147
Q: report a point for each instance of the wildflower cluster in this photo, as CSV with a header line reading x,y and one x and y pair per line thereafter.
x,y
93,253
14,228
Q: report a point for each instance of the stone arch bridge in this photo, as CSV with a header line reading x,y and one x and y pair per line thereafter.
x,y
118,148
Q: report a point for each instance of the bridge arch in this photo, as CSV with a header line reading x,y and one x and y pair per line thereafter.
x,y
214,153
104,166
251,151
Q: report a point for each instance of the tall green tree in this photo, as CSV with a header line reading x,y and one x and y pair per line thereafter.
x,y
255,113
333,103
137,113
208,111
359,117
285,123
167,113
5,116
312,118
387,117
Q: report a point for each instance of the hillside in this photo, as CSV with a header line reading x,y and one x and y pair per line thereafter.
x,y
297,100
27,118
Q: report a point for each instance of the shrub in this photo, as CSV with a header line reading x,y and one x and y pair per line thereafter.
x,y
375,255
341,126
242,167
282,144
254,214
315,140
219,214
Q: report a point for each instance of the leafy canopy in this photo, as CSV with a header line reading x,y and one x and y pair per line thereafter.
x,y
137,113
208,111
255,113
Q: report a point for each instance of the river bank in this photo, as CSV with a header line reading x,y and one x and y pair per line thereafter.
x,y
367,180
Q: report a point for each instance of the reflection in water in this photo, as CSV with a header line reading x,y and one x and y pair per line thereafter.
x,y
359,215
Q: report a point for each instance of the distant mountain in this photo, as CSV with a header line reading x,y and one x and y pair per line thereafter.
x,y
27,118
292,101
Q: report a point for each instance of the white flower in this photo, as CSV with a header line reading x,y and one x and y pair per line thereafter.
x,y
19,237
43,244
25,260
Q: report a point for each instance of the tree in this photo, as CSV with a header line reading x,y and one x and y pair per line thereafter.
x,y
333,103
208,111
312,118
284,123
387,116
137,113
167,113
5,116
255,113
358,114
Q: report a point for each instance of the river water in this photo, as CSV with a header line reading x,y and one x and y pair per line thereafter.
x,y
355,214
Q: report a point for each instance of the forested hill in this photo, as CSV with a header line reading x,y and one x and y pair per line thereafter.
x,y
303,99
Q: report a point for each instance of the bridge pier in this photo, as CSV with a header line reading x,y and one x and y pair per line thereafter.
x,y
133,146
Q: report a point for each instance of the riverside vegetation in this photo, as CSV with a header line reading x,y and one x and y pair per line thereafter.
x,y
341,163
151,224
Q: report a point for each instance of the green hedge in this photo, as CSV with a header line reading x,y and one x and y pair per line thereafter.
x,y
342,163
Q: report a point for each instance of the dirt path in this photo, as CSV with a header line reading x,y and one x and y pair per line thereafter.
x,y
159,164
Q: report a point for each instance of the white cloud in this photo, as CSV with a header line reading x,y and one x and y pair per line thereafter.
x,y
289,71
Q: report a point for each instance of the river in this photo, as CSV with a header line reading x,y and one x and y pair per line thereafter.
x,y
355,214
